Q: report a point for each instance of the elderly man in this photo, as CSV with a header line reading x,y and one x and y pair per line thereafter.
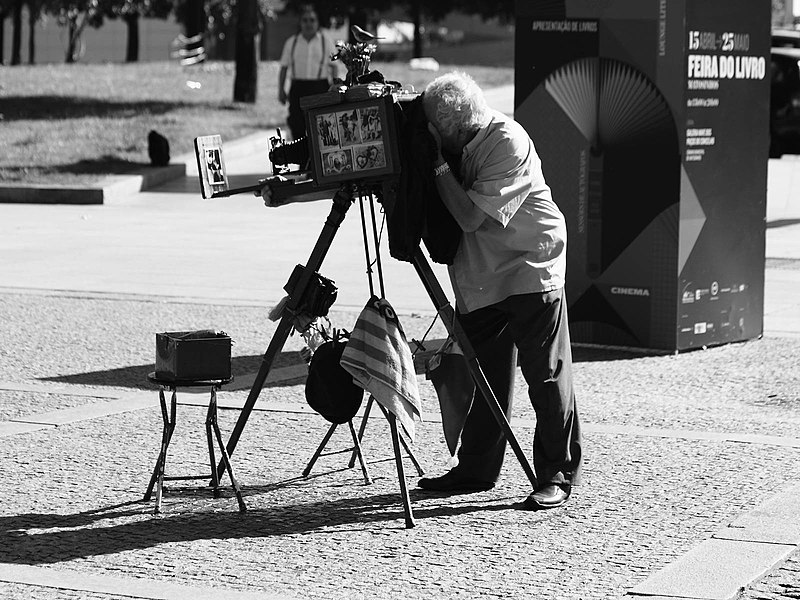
x,y
508,277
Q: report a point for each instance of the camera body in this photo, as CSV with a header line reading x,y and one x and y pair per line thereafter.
x,y
353,140
352,135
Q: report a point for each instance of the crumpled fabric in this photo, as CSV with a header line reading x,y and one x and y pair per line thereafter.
x,y
449,373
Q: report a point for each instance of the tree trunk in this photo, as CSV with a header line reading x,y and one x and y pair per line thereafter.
x,y
132,50
2,37
416,16
32,19
72,39
195,19
16,38
245,81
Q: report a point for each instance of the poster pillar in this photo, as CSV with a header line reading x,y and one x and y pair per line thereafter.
x,y
652,122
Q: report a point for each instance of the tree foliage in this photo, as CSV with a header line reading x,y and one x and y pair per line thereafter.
x,y
365,13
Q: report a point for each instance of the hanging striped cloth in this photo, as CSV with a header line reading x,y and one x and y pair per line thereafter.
x,y
380,361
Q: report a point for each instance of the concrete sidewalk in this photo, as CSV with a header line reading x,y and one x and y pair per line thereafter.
x,y
690,488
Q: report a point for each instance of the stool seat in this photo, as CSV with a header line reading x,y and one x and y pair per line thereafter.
x,y
167,382
212,430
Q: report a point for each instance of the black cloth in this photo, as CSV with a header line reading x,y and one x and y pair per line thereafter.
x,y
419,213
298,89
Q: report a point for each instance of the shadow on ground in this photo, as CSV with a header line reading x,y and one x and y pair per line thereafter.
x,y
47,538
135,376
75,107
782,223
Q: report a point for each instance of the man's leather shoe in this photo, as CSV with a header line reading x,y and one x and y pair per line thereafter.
x,y
452,481
548,496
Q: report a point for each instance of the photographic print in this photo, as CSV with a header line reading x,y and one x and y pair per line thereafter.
x,y
210,164
369,156
327,131
214,163
370,124
349,127
337,162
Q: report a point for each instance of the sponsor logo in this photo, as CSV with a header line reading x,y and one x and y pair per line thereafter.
x,y
629,291
699,328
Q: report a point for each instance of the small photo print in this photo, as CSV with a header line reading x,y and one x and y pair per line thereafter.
x,y
337,161
214,164
369,156
348,127
370,124
327,131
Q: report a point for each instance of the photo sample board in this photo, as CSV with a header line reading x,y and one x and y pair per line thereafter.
x,y
652,122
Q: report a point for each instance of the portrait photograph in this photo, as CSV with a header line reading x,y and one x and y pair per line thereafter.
x,y
337,161
350,132
369,156
370,124
327,131
214,163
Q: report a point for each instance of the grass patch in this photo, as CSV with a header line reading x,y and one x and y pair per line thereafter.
x,y
75,124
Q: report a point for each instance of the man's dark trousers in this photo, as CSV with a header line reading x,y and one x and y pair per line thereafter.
x,y
536,326
298,89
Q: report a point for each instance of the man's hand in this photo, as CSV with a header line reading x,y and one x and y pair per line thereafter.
x,y
266,190
438,139
282,97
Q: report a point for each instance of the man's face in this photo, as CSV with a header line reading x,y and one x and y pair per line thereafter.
x,y
450,143
309,23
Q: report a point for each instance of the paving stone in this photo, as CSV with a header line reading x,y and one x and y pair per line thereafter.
x,y
714,570
645,500
776,521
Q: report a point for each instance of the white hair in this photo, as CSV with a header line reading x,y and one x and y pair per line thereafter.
x,y
456,102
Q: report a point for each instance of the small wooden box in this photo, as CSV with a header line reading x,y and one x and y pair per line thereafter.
x,y
193,355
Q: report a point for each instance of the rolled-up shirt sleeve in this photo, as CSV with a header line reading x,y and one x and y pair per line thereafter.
x,y
503,181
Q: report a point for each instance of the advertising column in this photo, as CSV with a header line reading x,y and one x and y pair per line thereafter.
x,y
723,205
630,147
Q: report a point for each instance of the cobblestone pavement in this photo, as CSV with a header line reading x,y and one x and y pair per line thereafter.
x,y
659,476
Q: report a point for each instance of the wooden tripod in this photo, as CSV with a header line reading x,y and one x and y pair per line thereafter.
x,y
342,201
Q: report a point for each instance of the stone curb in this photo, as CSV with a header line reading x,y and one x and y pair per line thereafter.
x,y
114,188
109,189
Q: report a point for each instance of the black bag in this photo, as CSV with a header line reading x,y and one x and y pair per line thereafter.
x,y
319,296
330,389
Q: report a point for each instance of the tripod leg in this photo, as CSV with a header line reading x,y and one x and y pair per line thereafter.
x,y
401,475
447,313
405,445
211,419
341,202
359,452
321,447
361,429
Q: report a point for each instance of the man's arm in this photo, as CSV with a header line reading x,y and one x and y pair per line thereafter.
x,y
282,85
468,216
